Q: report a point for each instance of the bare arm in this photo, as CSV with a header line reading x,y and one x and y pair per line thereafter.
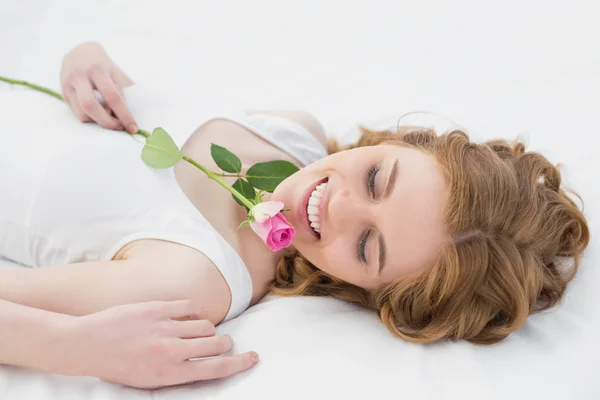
x,y
150,271
26,333
144,345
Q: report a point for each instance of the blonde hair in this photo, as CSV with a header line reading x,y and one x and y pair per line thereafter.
x,y
511,225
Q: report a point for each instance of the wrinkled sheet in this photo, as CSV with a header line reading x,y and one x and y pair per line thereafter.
x,y
528,69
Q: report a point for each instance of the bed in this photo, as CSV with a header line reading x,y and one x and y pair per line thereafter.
x,y
509,69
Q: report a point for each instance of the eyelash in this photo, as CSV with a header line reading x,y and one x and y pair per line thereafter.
x,y
360,256
363,239
371,179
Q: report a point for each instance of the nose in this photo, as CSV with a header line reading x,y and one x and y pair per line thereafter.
x,y
347,209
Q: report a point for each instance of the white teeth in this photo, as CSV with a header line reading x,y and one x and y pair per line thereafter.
x,y
312,209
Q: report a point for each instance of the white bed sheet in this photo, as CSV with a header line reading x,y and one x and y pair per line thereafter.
x,y
519,68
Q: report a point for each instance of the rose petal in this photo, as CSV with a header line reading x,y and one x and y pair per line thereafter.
x,y
276,232
262,229
284,229
279,222
266,209
286,240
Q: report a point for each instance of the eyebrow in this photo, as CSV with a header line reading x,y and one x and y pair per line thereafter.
x,y
381,253
392,181
388,190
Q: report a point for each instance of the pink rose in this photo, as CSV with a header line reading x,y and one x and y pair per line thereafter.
x,y
271,226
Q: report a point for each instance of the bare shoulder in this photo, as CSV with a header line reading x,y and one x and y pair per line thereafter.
x,y
182,273
307,120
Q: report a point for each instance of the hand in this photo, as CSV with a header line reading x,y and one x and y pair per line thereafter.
x,y
148,345
86,68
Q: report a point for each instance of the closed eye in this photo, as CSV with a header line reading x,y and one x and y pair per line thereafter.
x,y
362,243
371,180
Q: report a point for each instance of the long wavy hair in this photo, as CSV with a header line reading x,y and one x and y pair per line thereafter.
x,y
517,241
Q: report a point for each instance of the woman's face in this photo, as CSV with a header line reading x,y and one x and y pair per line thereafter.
x,y
380,214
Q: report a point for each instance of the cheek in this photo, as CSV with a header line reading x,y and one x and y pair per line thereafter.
x,y
334,259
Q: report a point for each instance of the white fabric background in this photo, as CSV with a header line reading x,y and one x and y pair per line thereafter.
x,y
527,68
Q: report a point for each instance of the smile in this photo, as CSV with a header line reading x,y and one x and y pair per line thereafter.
x,y
310,207
313,209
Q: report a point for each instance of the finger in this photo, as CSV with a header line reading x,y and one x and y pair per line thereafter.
x,y
65,93
75,106
66,99
108,110
92,108
183,309
194,329
205,347
114,98
218,367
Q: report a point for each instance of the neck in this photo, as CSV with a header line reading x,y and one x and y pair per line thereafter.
x,y
207,197
260,260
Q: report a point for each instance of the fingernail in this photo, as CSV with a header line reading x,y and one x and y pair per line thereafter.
x,y
254,358
133,128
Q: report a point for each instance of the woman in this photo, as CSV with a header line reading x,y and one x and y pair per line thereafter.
x,y
446,239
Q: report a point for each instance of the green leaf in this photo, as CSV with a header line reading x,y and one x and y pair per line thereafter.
x,y
245,189
243,224
160,151
225,159
266,176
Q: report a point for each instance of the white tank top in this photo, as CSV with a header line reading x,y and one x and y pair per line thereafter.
x,y
74,192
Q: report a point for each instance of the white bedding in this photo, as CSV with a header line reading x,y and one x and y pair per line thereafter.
x,y
519,68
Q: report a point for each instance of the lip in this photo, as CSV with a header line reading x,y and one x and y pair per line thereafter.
x,y
303,203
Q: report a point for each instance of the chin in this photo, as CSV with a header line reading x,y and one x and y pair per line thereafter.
x,y
298,246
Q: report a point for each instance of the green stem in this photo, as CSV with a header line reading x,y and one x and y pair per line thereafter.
x,y
215,177
146,134
53,94
212,175
33,86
